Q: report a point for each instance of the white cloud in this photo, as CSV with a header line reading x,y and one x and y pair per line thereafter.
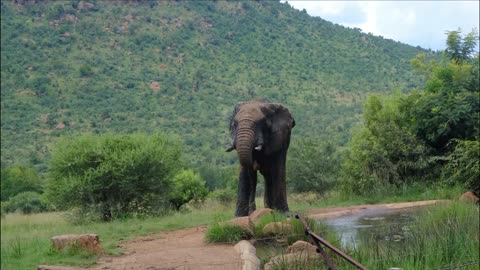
x,y
420,23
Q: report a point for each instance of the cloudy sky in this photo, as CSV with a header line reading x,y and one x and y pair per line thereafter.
x,y
418,23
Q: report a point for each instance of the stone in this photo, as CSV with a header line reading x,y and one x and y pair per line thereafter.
x,y
89,242
242,222
275,228
297,258
256,215
469,197
248,254
302,246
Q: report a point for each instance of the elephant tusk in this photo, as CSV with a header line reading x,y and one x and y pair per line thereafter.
x,y
258,148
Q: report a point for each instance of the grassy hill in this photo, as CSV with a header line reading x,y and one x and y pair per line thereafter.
x,y
69,67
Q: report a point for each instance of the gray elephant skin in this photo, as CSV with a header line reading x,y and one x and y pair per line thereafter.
x,y
261,133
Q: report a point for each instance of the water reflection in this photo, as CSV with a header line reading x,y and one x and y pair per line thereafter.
x,y
372,224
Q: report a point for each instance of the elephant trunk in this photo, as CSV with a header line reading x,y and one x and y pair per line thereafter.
x,y
245,139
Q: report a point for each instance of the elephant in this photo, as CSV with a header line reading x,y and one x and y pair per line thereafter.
x,y
260,133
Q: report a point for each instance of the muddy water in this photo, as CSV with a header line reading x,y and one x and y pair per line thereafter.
x,y
372,224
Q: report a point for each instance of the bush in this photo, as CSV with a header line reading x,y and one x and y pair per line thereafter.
x,y
116,174
313,165
188,186
19,179
26,203
464,165
225,196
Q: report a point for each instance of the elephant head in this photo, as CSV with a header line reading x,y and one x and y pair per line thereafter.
x,y
260,126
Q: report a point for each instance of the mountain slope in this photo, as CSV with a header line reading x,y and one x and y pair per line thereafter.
x,y
70,67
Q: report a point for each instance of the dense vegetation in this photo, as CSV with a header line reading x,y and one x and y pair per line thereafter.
x,y
429,136
148,66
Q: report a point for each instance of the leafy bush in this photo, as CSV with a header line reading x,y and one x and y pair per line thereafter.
x,y
226,195
26,202
464,165
313,165
187,186
19,179
117,174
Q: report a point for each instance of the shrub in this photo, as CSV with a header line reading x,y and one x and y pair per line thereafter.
x,y
19,179
117,174
464,165
226,195
313,165
187,186
26,202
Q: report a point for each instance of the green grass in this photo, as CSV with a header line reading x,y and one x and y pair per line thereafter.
x,y
25,238
442,236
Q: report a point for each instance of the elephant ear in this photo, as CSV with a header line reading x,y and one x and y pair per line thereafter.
x,y
235,111
280,118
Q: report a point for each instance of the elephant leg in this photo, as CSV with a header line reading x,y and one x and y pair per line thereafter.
x,y
244,191
279,184
252,207
267,197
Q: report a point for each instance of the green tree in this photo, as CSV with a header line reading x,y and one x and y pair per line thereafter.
x,y
114,174
187,186
19,179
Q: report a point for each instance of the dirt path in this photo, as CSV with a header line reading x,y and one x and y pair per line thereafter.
x,y
186,249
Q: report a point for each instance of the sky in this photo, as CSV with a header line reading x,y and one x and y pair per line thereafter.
x,y
417,23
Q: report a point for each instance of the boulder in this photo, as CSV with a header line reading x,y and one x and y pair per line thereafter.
x,y
469,197
290,259
256,215
302,246
248,255
242,222
89,242
275,228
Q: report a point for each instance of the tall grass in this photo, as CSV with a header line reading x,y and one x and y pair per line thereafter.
x,y
442,236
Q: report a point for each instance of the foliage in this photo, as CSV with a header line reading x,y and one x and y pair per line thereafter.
x,y
225,195
25,202
187,186
409,137
18,179
313,165
464,165
114,173
383,151
92,71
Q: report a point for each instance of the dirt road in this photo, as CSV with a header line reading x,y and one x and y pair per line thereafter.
x,y
186,249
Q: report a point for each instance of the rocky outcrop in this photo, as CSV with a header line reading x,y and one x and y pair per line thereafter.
x,y
302,246
89,242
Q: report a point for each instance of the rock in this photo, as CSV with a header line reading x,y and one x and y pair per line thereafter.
x,y
85,6
155,86
248,254
60,125
258,214
89,242
242,222
302,246
469,197
277,228
297,258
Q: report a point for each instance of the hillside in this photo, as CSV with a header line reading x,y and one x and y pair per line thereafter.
x,y
69,67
